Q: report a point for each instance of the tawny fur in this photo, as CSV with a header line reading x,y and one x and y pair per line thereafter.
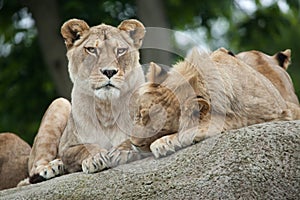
x,y
105,70
14,154
45,144
205,95
98,119
274,68
99,112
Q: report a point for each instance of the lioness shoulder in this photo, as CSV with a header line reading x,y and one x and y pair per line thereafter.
x,y
274,68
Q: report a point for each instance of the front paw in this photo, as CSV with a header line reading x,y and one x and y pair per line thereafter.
x,y
44,172
119,155
164,146
95,163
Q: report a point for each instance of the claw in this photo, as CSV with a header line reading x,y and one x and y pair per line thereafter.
x,y
95,163
164,146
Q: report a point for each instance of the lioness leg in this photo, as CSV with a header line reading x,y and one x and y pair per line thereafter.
x,y
92,158
171,143
125,153
89,158
43,162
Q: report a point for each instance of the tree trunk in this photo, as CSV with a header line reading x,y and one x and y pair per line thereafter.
x,y
157,44
48,24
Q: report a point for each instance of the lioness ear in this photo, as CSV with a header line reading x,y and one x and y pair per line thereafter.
x,y
72,30
203,106
198,107
135,29
156,73
193,81
283,58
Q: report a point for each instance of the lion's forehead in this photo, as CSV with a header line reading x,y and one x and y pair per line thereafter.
x,y
108,43
99,34
166,102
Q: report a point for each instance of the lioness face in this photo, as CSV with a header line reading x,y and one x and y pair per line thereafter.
x,y
101,58
107,60
157,115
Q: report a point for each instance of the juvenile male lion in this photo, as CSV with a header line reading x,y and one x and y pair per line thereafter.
x,y
105,70
201,96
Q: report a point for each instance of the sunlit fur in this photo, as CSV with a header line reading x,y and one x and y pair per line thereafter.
x,y
274,68
98,117
204,95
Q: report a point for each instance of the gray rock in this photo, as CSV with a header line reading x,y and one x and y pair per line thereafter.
x,y
256,162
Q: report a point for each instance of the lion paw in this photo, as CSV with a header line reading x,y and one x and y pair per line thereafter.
x,y
164,146
45,172
95,163
119,156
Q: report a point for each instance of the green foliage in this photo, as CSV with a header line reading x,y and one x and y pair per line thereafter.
x,y
194,13
26,90
95,12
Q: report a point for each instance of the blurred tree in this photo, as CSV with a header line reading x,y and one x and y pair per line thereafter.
x,y
157,44
33,69
48,22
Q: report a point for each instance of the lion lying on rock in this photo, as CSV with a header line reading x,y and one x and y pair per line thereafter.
x,y
205,95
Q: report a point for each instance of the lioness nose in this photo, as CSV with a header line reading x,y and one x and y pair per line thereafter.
x,y
109,72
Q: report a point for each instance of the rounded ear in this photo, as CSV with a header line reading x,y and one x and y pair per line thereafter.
x,y
135,29
283,58
72,30
203,106
197,107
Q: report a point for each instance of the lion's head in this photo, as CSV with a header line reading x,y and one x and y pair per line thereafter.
x,y
102,58
167,102
157,115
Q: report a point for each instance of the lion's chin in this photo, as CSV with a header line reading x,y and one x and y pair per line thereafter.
x,y
107,93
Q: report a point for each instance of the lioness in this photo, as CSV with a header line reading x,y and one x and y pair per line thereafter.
x,y
105,70
274,68
104,67
201,96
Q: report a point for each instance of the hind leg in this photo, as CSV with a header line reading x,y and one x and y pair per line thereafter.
x,y
43,162
14,154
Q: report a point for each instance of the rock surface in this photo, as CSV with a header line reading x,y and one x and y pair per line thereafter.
x,y
256,162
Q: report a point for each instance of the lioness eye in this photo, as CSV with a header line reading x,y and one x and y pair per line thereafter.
x,y
121,51
90,49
